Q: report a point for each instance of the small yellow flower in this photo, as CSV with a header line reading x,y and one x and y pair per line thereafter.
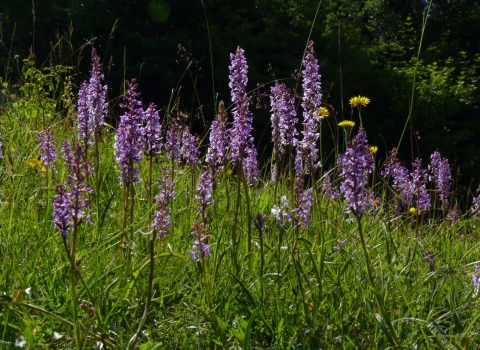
x,y
373,149
346,124
414,211
323,112
33,163
43,171
359,101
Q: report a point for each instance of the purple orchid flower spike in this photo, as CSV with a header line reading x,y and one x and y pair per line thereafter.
x,y
129,140
217,150
440,173
240,135
311,100
419,178
70,204
284,118
355,167
47,147
92,106
204,196
162,221
200,248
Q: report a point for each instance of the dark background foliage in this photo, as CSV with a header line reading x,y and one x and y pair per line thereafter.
x,y
366,47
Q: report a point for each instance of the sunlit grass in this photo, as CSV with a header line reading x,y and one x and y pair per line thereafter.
x,y
261,299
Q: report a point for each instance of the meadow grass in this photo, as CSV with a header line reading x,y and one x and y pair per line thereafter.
x,y
373,281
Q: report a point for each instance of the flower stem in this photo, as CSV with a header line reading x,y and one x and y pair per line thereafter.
x,y
249,215
73,286
97,186
298,273
151,248
235,226
378,296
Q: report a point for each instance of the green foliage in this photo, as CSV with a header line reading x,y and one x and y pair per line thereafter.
x,y
447,93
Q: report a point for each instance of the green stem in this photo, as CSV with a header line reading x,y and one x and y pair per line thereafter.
x,y
151,248
211,55
277,176
130,239
279,262
219,237
235,226
377,294
206,282
97,186
320,142
149,190
262,263
424,24
133,340
132,208
226,184
249,214
125,210
299,276
73,286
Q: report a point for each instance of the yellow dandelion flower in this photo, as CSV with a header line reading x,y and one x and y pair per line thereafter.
x,y
346,124
43,171
323,112
373,149
359,101
33,163
414,210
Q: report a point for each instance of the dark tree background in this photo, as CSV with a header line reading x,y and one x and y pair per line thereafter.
x,y
366,47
